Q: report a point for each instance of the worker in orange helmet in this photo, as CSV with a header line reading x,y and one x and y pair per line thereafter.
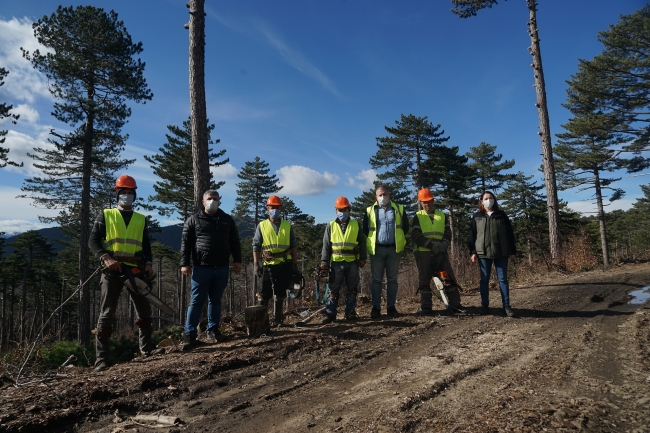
x,y
275,257
431,234
120,239
344,252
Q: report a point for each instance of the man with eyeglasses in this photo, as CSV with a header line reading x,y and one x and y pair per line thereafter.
x,y
385,225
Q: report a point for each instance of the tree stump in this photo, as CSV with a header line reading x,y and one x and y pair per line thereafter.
x,y
257,320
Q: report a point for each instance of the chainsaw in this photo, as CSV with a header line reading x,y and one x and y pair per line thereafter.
x,y
141,284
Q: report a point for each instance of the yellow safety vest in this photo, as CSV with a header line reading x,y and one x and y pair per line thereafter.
x,y
124,243
344,245
275,246
400,239
431,229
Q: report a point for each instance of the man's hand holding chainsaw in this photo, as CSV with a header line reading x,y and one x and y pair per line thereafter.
x,y
115,266
439,247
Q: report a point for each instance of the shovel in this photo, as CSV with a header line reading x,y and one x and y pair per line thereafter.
x,y
310,318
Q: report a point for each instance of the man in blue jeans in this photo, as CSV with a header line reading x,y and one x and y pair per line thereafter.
x,y
210,237
384,225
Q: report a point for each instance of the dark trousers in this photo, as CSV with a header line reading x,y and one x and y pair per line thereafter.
x,y
428,266
276,281
111,287
347,272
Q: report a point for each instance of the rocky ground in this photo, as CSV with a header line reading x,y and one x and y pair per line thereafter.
x,y
576,358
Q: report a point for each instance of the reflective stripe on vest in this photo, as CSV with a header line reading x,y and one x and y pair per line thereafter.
x,y
275,246
124,243
344,245
400,239
431,229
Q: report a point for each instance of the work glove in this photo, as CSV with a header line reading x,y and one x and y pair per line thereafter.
x,y
439,247
258,269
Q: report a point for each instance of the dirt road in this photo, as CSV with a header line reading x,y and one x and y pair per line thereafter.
x,y
576,358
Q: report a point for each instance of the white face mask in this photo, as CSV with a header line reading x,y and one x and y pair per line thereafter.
x,y
211,206
383,200
125,199
488,203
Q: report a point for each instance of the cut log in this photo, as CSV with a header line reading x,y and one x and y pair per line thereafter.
x,y
257,320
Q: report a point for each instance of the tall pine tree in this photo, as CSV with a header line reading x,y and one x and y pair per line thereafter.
x,y
405,150
5,113
469,8
487,167
256,186
92,73
525,205
173,165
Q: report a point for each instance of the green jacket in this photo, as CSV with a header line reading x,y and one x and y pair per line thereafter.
x,y
491,236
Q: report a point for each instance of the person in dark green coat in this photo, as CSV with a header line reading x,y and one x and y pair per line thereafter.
x,y
491,241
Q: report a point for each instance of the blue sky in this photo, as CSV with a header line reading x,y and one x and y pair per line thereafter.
x,y
308,86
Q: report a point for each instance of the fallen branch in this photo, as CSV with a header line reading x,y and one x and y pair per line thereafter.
x,y
160,419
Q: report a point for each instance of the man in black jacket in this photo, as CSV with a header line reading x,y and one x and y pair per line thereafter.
x,y
211,236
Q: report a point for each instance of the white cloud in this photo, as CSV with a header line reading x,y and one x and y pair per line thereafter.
x,y
26,112
364,180
588,207
300,180
14,227
20,144
225,171
23,83
18,214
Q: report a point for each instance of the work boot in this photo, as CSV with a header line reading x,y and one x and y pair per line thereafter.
x,y
484,310
352,315
508,311
392,312
102,364
189,342
327,319
375,313
216,335
159,351
425,312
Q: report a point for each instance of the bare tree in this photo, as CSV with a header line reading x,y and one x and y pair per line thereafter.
x,y
469,8
200,159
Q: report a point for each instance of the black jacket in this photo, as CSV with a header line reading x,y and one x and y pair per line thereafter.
x,y
497,245
210,241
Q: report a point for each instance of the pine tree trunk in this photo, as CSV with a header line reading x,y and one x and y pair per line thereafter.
x,y
83,330
601,218
545,136
530,252
3,330
200,159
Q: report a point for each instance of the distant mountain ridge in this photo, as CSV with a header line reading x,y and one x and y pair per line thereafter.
x,y
169,235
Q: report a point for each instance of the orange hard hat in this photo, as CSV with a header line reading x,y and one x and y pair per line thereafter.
x,y
425,195
125,181
274,200
341,203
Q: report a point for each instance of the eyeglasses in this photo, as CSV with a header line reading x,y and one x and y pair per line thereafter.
x,y
342,210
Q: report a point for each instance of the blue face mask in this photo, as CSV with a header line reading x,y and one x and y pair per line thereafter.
x,y
275,213
342,216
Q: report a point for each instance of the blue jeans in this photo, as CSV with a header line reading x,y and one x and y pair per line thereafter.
x,y
501,265
386,260
348,272
209,282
